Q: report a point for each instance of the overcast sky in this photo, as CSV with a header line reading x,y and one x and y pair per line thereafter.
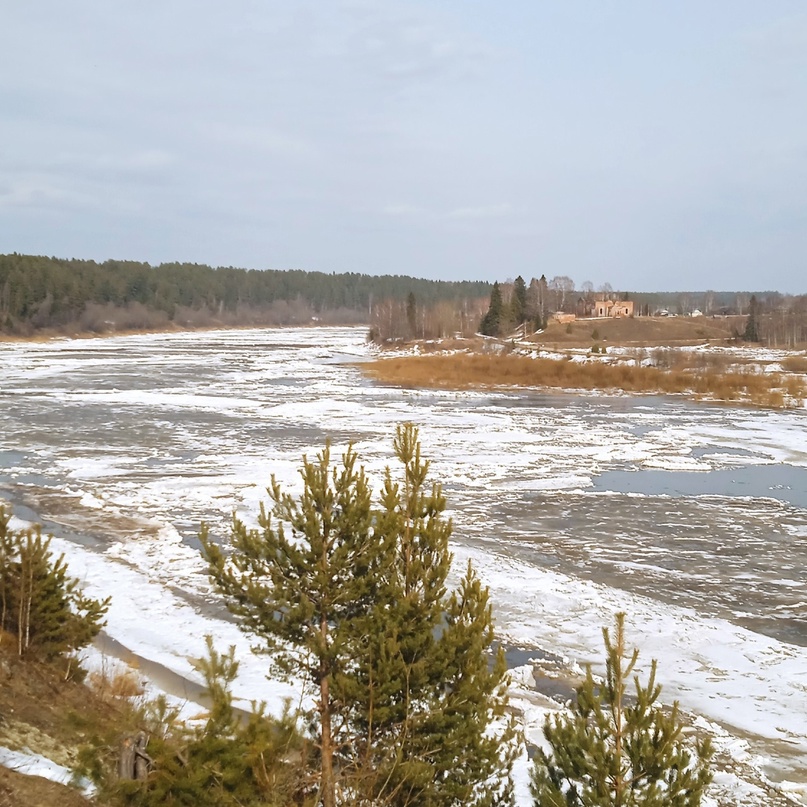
x,y
650,145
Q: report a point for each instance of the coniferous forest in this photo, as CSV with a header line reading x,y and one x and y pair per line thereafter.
x,y
54,295
40,293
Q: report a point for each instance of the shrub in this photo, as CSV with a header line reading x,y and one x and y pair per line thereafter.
x,y
115,683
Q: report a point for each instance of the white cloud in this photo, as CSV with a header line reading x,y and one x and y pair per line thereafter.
x,y
484,212
402,210
33,192
262,138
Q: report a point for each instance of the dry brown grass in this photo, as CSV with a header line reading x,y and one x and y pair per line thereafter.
x,y
486,370
795,364
51,716
641,331
115,684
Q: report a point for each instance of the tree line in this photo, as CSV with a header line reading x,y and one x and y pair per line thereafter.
x,y
39,293
68,295
348,592
773,319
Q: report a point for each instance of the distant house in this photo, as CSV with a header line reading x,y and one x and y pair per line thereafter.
x,y
696,313
611,308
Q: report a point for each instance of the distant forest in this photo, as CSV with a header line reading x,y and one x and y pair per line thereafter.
x,y
41,294
51,294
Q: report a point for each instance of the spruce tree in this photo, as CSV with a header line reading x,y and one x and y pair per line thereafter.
x,y
618,751
543,302
751,332
355,602
491,324
519,301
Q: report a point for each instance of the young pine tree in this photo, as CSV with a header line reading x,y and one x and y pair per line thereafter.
x,y
231,760
40,604
613,751
427,688
355,602
301,593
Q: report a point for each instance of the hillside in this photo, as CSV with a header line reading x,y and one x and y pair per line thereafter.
x,y
42,713
640,331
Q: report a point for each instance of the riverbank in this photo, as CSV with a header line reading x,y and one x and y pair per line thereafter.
x,y
701,376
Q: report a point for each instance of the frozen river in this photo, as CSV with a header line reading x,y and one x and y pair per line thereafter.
x,y
691,518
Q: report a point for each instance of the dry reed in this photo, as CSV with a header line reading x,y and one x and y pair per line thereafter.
x,y
115,683
795,364
486,370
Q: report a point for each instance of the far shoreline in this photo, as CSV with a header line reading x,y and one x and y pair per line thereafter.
x,y
50,335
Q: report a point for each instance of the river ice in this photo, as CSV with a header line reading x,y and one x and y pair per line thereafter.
x,y
689,517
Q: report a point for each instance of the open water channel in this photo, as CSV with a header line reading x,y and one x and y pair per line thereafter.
x,y
692,518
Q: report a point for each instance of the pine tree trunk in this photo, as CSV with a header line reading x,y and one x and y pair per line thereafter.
x,y
28,603
618,655
327,783
126,759
24,614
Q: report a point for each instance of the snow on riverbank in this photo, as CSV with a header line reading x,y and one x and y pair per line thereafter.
x,y
156,624
31,764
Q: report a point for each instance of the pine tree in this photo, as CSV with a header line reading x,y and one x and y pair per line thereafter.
x,y
491,324
355,602
229,761
428,689
614,752
39,602
301,593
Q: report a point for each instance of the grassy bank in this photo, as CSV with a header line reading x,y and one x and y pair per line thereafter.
x,y
43,713
469,370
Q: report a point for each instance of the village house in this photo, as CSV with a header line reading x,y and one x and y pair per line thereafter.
x,y
605,308
611,308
